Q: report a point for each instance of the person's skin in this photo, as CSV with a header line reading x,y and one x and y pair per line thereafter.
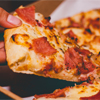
x,y
6,21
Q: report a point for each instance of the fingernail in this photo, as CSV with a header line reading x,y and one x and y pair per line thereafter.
x,y
13,20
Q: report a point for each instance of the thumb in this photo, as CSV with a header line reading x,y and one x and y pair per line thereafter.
x,y
7,20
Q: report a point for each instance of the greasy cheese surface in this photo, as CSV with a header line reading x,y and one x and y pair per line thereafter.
x,y
74,93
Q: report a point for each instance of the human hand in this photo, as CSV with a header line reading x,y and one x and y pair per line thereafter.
x,y
7,21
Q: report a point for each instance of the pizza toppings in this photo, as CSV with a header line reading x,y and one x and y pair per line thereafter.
x,y
83,51
72,59
48,67
39,24
55,94
46,21
42,46
95,23
86,67
73,23
76,58
71,35
58,67
27,14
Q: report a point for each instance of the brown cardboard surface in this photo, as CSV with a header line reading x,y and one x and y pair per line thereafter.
x,y
46,7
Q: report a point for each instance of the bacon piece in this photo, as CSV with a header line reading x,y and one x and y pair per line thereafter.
x,y
27,14
42,46
71,35
69,64
83,51
47,68
94,97
74,24
78,58
85,83
72,58
87,67
95,23
57,93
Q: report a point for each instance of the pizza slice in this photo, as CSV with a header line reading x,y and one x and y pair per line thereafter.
x,y
81,20
85,27
84,91
36,47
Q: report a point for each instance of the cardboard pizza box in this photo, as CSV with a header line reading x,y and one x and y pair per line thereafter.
x,y
46,7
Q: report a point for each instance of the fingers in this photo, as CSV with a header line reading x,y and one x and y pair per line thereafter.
x,y
7,20
2,53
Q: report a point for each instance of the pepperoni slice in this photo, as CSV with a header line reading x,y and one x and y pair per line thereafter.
x,y
27,14
42,46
